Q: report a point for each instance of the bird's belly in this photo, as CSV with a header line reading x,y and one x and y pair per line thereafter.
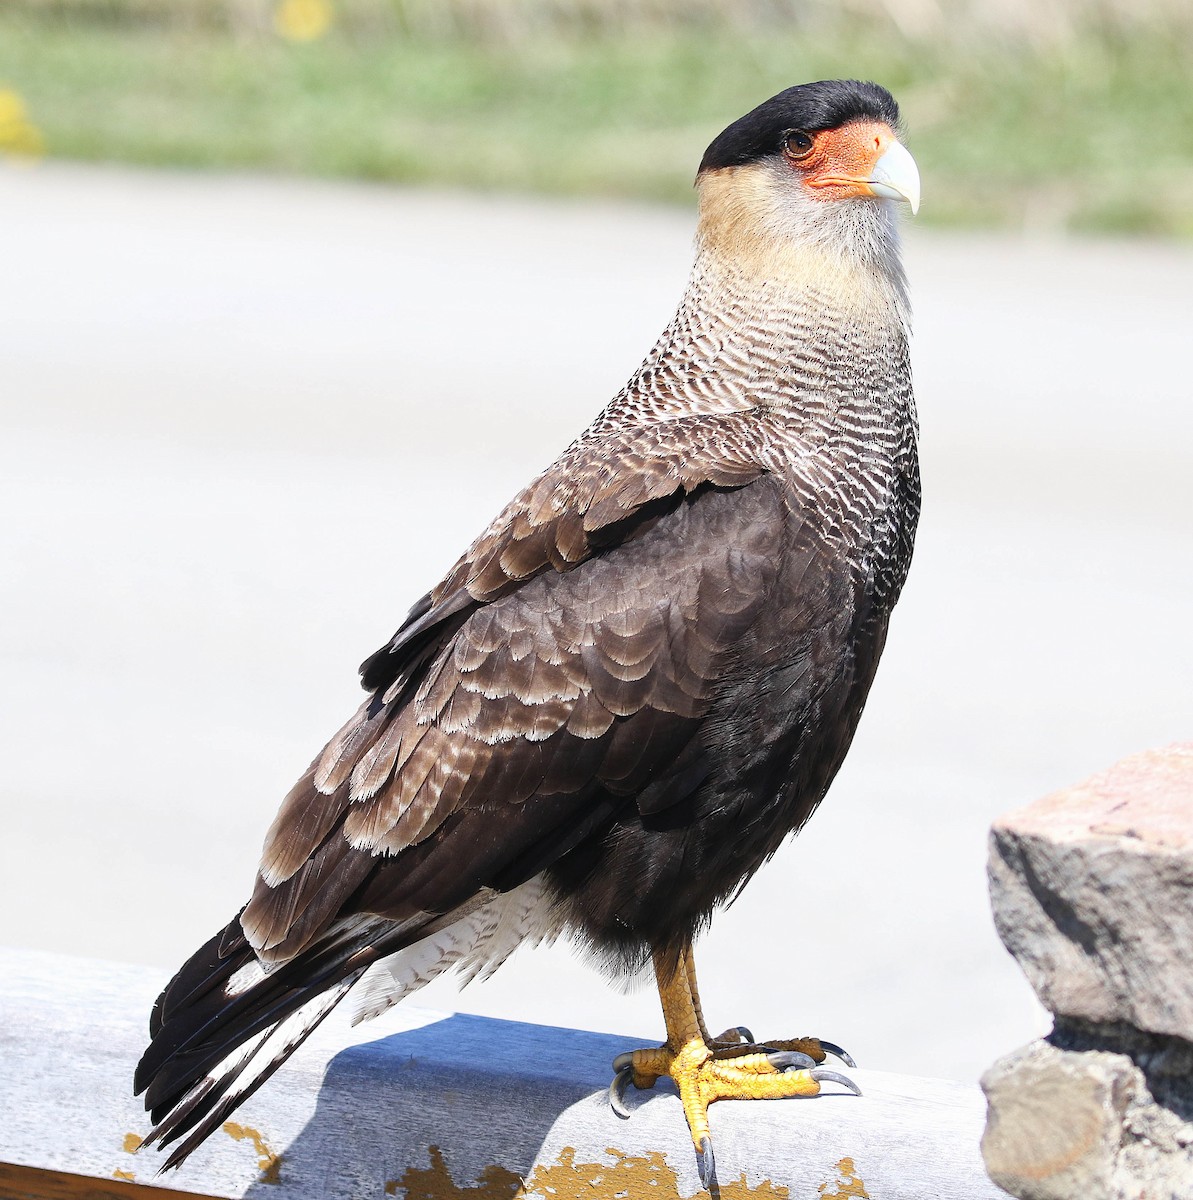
x,y
773,742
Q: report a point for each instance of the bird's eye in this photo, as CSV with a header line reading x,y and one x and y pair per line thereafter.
x,y
798,145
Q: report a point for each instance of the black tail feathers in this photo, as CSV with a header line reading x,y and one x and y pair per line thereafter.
x,y
224,1024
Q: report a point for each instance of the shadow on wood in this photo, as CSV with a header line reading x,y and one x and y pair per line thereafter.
x,y
461,1101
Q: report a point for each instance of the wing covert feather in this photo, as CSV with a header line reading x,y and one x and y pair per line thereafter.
x,y
542,709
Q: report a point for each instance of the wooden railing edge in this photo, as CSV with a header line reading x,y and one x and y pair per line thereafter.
x,y
450,1105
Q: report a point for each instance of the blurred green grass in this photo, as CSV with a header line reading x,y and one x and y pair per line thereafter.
x,y
1090,132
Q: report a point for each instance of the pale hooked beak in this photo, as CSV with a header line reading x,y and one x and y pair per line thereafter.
x,y
896,177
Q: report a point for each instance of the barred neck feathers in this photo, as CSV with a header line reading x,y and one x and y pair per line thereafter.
x,y
789,309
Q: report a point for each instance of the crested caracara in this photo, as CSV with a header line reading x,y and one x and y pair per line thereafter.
x,y
639,679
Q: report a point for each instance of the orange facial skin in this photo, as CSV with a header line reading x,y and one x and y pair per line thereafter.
x,y
841,160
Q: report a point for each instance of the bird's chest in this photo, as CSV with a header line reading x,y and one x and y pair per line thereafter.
x,y
788,711
848,456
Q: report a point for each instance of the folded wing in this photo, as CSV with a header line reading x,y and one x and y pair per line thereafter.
x,y
554,682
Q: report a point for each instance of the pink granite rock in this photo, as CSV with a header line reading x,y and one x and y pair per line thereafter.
x,y
1092,890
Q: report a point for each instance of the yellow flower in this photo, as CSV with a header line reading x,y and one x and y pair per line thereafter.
x,y
12,107
302,20
18,135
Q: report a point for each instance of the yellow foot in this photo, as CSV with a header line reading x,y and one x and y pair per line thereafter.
x,y
731,1067
739,1040
734,1071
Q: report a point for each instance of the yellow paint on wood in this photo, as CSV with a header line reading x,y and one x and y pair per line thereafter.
x,y
848,1187
739,1189
270,1164
628,1176
435,1182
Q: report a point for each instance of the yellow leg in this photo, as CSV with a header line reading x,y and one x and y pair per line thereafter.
x,y
706,1069
737,1039
689,968
736,1036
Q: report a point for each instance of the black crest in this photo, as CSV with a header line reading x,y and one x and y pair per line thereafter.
x,y
810,107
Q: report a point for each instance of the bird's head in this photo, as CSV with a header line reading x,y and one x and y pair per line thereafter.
x,y
812,172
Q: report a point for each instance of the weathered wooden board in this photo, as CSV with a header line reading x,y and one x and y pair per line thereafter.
x,y
428,1105
34,1183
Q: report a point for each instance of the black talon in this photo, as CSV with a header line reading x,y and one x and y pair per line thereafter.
x,y
617,1088
823,1076
836,1052
744,1033
790,1060
706,1163
623,1060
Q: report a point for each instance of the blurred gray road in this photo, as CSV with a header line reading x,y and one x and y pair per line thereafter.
x,y
246,422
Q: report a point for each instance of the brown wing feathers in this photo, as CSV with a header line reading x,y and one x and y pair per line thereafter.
x,y
593,488
520,708
557,521
606,669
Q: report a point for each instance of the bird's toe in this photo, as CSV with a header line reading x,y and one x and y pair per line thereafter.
x,y
817,1049
617,1089
820,1075
706,1162
790,1060
737,1035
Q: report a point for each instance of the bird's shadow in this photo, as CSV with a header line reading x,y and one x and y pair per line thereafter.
x,y
456,1108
